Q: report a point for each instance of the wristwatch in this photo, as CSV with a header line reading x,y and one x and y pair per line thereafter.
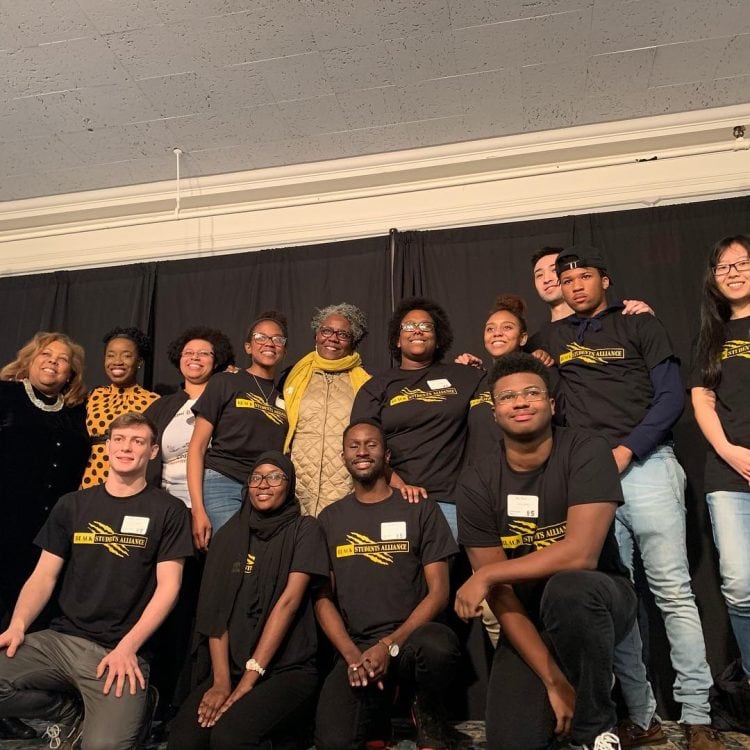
x,y
252,666
393,649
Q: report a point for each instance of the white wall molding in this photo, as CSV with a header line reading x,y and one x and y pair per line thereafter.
x,y
599,167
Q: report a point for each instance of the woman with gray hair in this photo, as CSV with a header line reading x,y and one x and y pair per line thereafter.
x,y
319,392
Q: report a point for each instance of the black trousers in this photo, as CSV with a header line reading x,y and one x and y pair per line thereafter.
x,y
266,713
583,615
347,716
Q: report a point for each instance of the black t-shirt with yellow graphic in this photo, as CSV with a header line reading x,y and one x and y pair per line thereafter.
x,y
424,414
483,433
378,552
248,419
111,546
526,511
605,381
301,641
732,405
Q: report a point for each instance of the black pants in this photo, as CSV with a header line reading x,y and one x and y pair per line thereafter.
x,y
583,615
271,708
347,716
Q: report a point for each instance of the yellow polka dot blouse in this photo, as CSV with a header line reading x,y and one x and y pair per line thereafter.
x,y
103,405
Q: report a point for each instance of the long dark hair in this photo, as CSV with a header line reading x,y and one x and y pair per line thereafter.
x,y
715,312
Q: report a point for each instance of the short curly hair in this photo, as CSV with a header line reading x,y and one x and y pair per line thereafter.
x,y
513,304
222,346
353,315
516,362
275,317
443,330
136,335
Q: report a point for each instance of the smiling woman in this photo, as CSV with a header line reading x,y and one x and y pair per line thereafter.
x,y
124,353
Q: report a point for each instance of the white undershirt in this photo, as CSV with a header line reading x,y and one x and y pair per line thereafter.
x,y
174,446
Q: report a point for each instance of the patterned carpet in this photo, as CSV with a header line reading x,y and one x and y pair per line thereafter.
x,y
474,739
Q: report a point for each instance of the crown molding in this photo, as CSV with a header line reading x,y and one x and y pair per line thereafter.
x,y
608,166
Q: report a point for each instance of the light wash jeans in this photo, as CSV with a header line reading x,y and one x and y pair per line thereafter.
x,y
451,516
653,518
730,520
222,498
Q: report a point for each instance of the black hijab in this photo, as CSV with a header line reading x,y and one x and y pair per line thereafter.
x,y
227,554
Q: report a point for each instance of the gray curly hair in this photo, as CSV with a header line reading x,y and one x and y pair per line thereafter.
x,y
356,318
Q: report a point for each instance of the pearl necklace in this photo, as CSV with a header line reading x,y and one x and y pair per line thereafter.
x,y
38,402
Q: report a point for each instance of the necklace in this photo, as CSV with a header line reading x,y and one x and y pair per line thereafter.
x,y
265,398
38,402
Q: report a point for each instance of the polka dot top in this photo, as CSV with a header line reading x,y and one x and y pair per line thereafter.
x,y
103,405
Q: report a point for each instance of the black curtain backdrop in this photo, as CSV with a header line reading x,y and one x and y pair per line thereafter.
x,y
655,254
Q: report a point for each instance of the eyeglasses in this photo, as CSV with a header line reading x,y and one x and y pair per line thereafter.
x,y
274,479
261,338
201,353
327,332
423,325
741,266
532,393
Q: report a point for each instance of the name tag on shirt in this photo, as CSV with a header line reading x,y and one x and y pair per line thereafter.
x,y
523,506
134,525
435,385
392,530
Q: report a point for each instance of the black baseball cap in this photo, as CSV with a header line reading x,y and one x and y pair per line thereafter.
x,y
581,256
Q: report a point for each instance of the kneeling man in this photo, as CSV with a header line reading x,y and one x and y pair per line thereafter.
x,y
537,523
119,548
389,561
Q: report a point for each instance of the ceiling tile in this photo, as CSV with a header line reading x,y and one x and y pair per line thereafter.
x,y
172,11
238,86
311,116
179,94
441,97
479,12
735,58
126,142
359,67
23,118
110,16
235,158
495,98
30,155
340,24
400,18
371,107
44,21
417,58
620,25
686,62
205,131
552,95
619,72
295,77
726,91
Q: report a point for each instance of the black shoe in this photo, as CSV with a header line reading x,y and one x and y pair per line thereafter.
x,y
433,732
15,729
152,702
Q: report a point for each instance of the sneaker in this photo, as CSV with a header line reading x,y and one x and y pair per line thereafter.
x,y
702,737
65,736
631,735
433,733
604,741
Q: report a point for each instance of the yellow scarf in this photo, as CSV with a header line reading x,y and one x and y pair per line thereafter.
x,y
299,378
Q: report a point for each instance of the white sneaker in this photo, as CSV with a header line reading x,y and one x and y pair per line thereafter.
x,y
604,741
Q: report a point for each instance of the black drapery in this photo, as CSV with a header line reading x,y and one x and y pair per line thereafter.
x,y
655,254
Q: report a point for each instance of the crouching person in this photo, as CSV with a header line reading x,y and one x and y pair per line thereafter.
x,y
389,561
119,548
536,520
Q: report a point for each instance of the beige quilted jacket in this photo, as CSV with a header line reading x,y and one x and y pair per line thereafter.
x,y
316,448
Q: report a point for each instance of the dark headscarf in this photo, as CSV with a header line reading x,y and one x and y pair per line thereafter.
x,y
227,554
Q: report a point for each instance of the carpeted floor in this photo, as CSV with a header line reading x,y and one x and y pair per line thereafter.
x,y
474,739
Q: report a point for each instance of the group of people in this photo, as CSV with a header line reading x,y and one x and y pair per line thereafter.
x,y
331,505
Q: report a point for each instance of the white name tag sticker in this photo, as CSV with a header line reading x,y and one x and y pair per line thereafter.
x,y
392,530
134,525
523,506
435,385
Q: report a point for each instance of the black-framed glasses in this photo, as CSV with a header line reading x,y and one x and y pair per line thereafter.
x,y
326,332
261,338
532,393
423,325
201,354
741,266
274,479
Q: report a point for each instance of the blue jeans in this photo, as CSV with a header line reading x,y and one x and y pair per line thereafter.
x,y
222,497
730,520
449,511
653,517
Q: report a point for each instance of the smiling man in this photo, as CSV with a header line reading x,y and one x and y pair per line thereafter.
x,y
536,520
119,549
389,572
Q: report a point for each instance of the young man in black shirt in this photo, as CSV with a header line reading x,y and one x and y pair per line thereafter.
x,y
536,520
620,377
119,549
389,561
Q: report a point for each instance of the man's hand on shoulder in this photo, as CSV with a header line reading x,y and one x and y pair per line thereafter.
x,y
467,358
636,307
11,639
121,664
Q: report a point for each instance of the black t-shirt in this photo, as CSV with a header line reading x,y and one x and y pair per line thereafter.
x,y
732,405
605,382
248,419
378,552
300,643
483,432
526,511
424,414
111,546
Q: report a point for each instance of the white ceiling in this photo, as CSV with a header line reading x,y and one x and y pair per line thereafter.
x,y
97,93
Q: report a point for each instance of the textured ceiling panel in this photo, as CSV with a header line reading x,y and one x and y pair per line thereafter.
x,y
97,93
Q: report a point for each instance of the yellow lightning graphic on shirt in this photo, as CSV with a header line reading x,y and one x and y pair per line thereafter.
x,y
736,348
589,355
116,549
377,552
